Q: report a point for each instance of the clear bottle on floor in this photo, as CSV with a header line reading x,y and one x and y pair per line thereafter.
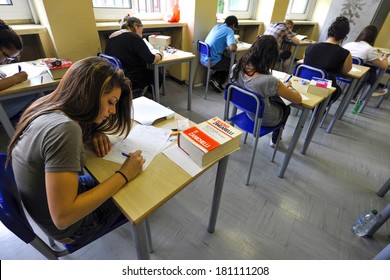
x,y
357,106
364,223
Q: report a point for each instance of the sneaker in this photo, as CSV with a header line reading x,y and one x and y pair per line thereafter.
x,y
272,144
215,86
380,92
353,100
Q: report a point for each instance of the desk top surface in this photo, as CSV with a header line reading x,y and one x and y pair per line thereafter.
x,y
41,81
357,71
149,190
176,56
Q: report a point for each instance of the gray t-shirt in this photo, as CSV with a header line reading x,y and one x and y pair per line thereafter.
x,y
266,86
51,142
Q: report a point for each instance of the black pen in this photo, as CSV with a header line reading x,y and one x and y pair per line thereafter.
x,y
125,155
288,79
19,68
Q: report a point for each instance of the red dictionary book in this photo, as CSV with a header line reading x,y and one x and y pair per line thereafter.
x,y
209,141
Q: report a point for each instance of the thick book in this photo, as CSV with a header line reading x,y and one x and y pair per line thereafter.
x,y
209,141
57,67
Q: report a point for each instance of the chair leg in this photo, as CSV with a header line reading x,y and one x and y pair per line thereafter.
x,y
207,83
277,143
252,159
51,242
246,137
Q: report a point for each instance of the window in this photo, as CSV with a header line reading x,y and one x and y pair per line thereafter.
x,y
300,9
242,9
117,9
15,10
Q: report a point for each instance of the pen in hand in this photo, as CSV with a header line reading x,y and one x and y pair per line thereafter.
x,y
288,79
126,155
19,68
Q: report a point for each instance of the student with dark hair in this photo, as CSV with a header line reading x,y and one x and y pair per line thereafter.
x,y
47,151
282,31
10,47
330,56
363,48
220,38
128,46
253,72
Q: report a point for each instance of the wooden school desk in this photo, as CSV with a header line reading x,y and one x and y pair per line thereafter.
x,y
306,106
303,43
357,74
41,83
175,58
152,188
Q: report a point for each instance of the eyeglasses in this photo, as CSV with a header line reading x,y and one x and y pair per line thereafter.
x,y
7,56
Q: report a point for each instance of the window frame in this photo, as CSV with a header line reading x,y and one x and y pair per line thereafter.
x,y
301,16
249,14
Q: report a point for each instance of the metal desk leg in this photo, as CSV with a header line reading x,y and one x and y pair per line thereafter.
x,y
9,129
384,254
381,72
349,96
384,189
293,58
313,127
382,217
221,171
341,105
140,240
293,142
191,82
232,58
156,83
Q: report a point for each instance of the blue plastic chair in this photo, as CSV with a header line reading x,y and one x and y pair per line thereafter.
x,y
308,72
204,60
249,103
12,215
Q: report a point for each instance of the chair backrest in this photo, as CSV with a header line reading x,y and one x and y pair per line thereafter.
x,y
115,62
11,210
308,72
243,99
204,53
357,60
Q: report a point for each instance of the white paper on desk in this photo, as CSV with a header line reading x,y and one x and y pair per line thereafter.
x,y
179,157
149,139
304,97
356,69
31,70
282,76
146,111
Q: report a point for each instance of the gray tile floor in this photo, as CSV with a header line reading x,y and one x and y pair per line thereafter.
x,y
307,215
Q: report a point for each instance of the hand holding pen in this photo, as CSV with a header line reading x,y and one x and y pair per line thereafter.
x,y
21,76
132,165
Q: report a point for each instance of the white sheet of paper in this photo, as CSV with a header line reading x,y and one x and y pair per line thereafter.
x,y
282,76
179,157
149,139
146,111
356,69
31,70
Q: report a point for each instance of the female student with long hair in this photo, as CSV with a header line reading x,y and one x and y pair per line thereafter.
x,y
47,151
253,71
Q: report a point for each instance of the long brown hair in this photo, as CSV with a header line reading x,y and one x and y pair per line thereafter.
x,y
78,96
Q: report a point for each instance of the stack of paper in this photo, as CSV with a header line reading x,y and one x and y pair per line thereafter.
x,y
147,111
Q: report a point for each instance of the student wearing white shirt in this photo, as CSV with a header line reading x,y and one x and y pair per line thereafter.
x,y
363,48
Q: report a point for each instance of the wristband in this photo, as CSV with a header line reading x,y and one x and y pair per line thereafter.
x,y
123,175
160,55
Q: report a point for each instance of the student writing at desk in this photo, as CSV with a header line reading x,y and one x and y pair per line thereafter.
x,y
330,56
253,71
220,38
128,46
282,31
363,48
10,47
47,151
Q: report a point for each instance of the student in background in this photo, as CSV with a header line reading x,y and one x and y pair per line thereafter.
x,y
128,46
220,38
282,31
363,48
330,56
10,47
253,72
47,151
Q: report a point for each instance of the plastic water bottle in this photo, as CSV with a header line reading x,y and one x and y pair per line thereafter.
x,y
357,107
364,223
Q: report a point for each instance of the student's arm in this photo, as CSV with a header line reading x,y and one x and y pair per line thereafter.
x,y
347,66
101,144
295,40
13,80
381,62
233,47
66,206
158,56
288,92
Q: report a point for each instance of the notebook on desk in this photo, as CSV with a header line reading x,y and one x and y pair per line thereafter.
x,y
147,111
